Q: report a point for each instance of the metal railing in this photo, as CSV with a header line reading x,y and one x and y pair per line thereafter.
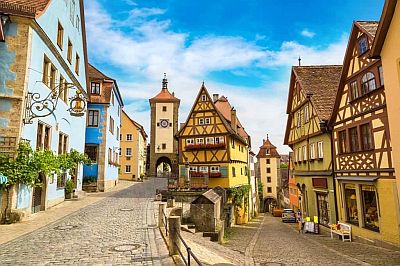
x,y
189,252
165,223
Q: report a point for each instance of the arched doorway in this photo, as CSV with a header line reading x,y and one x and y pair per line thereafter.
x,y
268,204
163,167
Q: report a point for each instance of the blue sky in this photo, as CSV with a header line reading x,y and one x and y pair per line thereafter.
x,y
242,49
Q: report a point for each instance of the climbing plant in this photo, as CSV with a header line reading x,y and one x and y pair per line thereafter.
x,y
237,194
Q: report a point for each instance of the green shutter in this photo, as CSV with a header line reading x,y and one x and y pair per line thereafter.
x,y
182,171
224,171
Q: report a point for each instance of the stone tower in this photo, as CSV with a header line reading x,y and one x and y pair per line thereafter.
x,y
164,125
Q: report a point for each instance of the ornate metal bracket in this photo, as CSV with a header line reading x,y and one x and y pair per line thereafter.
x,y
36,107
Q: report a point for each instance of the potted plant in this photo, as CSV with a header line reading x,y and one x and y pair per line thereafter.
x,y
69,188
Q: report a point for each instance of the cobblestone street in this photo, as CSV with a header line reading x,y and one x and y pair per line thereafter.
x,y
280,244
120,229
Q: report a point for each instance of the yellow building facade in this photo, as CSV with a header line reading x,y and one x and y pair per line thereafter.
x,y
213,147
386,47
364,170
133,145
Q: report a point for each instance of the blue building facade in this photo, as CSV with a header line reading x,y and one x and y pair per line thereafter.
x,y
44,52
102,141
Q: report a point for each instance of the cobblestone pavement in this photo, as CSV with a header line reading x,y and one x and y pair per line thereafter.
x,y
280,244
117,230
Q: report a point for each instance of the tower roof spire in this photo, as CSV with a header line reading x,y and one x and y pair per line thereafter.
x,y
165,82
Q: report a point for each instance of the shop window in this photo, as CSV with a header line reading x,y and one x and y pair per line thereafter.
x,y
351,203
370,208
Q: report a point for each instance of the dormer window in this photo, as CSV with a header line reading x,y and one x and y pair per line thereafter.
x,y
95,88
267,152
362,45
203,98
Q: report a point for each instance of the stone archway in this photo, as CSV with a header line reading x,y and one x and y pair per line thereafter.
x,y
163,167
268,203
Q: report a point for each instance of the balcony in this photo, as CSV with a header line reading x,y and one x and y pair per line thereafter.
x,y
205,146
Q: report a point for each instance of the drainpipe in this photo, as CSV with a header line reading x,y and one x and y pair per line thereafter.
x,y
333,173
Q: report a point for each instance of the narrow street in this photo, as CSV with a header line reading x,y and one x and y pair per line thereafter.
x,y
120,229
278,243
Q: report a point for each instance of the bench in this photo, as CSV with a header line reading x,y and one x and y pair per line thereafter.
x,y
341,229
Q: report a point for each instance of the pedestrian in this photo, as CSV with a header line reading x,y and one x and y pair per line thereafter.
x,y
300,221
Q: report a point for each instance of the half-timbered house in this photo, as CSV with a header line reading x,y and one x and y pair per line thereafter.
x,y
365,178
311,98
213,146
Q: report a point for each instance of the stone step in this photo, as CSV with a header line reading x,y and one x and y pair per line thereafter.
x,y
212,235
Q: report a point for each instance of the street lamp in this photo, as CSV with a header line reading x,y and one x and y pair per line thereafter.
x,y
35,106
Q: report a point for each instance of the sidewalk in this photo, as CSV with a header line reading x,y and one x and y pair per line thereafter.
x,y
10,232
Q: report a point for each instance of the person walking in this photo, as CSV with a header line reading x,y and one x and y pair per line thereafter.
x,y
300,221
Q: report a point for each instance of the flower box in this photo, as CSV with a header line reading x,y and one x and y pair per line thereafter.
x,y
215,175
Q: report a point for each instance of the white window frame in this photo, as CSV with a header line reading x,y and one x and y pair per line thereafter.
x,y
199,141
128,153
203,98
304,149
130,168
203,169
210,140
129,137
214,169
320,149
193,168
189,141
201,121
312,151
218,140
207,121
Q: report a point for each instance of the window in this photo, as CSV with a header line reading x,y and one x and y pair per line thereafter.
x,y
207,121
63,90
193,168
189,141
268,161
353,134
368,83
112,98
129,137
201,121
312,151
233,143
268,179
351,203
128,168
362,45
267,152
233,171
77,62
305,156
214,169
268,170
46,71
342,141
60,35
354,90
111,125
119,151
241,171
62,143
91,152
61,180
366,138
210,140
203,169
203,98
93,118
69,51
128,152
199,141
95,87
110,157
117,135
370,207
320,149
269,189
306,114
72,11
43,137
219,140
164,146
381,80
164,108
298,151
298,119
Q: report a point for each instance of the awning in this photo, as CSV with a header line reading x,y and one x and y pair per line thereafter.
x,y
357,178
3,179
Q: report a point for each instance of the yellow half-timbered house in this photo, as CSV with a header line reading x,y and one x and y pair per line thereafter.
x,y
213,146
364,172
311,99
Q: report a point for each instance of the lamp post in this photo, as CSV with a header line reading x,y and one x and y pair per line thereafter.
x,y
36,107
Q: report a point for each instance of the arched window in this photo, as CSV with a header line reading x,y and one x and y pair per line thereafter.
x,y
368,83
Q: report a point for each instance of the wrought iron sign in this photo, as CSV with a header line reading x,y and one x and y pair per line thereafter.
x,y
36,107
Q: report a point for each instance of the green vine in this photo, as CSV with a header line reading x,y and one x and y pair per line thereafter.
x,y
26,166
237,194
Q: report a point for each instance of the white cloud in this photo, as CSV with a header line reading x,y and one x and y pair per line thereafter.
x,y
307,33
151,47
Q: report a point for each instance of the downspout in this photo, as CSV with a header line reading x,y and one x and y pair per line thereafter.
x,y
333,173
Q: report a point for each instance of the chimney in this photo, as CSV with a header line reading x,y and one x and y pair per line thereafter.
x,y
215,97
233,119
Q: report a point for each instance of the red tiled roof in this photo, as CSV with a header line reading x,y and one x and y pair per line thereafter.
x,y
267,145
29,8
164,94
